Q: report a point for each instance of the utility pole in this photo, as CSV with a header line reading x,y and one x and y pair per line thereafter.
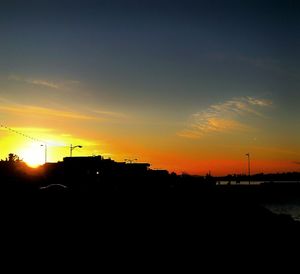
x,y
248,155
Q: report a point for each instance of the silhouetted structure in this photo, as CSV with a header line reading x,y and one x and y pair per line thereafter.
x,y
130,192
97,166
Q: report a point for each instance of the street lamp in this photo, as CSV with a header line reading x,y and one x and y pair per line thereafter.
x,y
248,155
72,147
45,146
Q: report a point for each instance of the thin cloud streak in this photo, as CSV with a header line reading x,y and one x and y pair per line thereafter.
x,y
33,110
224,117
8,106
42,82
111,114
264,64
15,108
31,129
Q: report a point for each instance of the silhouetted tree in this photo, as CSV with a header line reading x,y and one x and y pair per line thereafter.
x,y
12,158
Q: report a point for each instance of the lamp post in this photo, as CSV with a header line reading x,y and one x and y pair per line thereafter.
x,y
248,155
73,147
45,146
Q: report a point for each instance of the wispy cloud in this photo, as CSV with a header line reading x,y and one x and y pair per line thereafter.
x,y
34,110
224,117
42,82
12,107
30,129
110,114
262,63
8,106
296,162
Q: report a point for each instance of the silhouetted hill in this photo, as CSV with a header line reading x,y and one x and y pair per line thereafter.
x,y
129,204
180,209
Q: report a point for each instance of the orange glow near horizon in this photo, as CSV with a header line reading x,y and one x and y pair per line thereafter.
x,y
221,168
174,156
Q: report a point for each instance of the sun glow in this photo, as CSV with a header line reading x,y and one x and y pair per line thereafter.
x,y
33,156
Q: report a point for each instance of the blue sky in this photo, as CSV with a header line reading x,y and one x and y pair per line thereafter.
x,y
162,62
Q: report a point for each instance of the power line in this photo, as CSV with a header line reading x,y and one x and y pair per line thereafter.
x,y
24,135
28,137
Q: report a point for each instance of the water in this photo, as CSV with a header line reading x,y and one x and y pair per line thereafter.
x,y
291,208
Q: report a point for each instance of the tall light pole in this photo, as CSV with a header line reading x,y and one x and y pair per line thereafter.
x,y
45,146
72,147
248,155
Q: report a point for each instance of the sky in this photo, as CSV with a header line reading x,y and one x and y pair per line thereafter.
x,y
187,86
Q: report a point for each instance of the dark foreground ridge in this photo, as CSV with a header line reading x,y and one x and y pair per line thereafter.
x,y
143,206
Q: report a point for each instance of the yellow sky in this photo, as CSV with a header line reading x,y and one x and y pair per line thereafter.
x,y
177,154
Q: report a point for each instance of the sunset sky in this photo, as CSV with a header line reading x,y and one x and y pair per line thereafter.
x,y
188,86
